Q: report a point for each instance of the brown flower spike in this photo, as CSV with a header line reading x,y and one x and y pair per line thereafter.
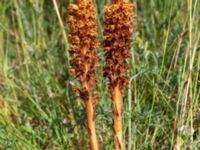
x,y
83,37
118,32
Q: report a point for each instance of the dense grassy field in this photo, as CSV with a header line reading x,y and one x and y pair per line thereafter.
x,y
39,111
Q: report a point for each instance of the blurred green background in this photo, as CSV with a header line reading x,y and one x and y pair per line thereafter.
x,y
39,111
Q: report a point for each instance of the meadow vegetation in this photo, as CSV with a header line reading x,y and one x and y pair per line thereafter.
x,y
39,110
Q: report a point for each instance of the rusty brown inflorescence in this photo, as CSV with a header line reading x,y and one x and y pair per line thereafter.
x,y
83,34
118,33
83,37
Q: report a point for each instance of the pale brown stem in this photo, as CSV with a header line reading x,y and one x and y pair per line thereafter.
x,y
91,121
118,122
91,125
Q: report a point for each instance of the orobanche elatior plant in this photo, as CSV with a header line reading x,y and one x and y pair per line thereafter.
x,y
118,32
83,37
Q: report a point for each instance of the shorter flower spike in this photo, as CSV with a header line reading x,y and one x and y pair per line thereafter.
x,y
118,34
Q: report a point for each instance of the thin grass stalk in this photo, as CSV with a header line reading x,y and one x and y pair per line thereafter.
x,y
83,34
118,32
62,27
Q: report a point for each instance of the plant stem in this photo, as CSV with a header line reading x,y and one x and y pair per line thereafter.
x,y
91,125
91,122
117,111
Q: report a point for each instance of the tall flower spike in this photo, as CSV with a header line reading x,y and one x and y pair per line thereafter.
x,y
83,37
118,32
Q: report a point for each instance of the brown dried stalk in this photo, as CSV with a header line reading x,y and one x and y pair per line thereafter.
x,y
83,34
118,32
